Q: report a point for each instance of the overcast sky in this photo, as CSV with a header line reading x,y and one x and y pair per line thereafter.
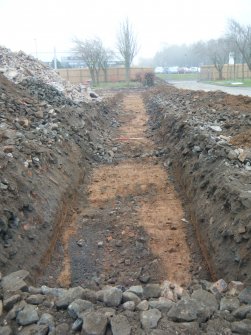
x,y
41,25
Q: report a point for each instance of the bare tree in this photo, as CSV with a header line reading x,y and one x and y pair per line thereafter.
x,y
217,52
94,55
127,45
241,38
106,56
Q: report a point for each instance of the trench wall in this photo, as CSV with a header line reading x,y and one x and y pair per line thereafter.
x,y
215,183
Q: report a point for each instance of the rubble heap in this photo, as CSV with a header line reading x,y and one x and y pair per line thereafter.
x,y
17,66
152,309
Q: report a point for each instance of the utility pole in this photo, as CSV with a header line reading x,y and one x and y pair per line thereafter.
x,y
55,59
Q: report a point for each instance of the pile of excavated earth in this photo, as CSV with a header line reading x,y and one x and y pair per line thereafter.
x,y
51,136
21,68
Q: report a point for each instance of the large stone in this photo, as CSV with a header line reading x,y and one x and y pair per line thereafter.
x,y
88,294
218,327
206,304
152,291
129,305
242,311
69,296
11,301
164,305
54,291
235,287
27,316
78,306
143,306
95,323
34,330
206,298
184,311
229,304
130,296
112,297
242,327
120,325
16,308
15,281
35,299
245,295
137,289
149,319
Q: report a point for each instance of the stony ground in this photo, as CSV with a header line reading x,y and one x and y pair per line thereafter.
x,y
202,308
147,191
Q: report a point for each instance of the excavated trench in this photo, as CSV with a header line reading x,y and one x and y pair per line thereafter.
x,y
131,225
145,200
139,222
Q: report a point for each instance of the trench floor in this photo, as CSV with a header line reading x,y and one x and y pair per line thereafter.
x,y
130,225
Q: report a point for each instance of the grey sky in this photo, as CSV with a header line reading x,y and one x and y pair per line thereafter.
x,y
44,24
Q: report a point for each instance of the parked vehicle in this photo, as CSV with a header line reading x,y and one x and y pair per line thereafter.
x,y
159,69
172,69
183,70
194,69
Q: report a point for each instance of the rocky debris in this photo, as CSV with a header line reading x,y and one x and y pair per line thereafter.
x,y
112,297
15,281
94,323
19,67
149,319
27,316
196,311
47,144
44,92
206,141
120,325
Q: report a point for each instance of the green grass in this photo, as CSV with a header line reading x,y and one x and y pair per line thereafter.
x,y
116,85
177,76
231,83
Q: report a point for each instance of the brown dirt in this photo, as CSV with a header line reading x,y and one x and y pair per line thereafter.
x,y
242,140
215,184
132,225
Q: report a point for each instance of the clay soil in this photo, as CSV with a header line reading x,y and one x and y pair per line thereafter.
x,y
129,226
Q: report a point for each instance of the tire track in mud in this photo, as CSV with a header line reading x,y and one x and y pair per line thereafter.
x,y
131,227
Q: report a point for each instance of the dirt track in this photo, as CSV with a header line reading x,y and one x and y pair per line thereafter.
x,y
130,227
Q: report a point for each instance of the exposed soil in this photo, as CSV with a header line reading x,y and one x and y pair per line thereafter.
x,y
207,140
124,222
46,149
131,226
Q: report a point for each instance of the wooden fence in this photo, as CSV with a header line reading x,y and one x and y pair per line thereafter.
x,y
230,72
77,76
